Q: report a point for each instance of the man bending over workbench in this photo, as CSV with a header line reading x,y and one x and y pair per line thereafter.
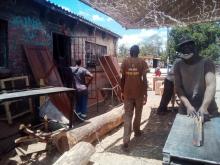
x,y
194,81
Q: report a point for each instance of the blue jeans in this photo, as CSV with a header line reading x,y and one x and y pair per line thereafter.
x,y
81,103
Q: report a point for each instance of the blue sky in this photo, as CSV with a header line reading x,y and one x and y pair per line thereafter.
x,y
129,37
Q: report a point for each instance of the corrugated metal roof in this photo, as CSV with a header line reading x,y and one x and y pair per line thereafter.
x,y
157,13
72,15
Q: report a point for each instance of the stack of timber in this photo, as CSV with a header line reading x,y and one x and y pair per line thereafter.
x,y
111,70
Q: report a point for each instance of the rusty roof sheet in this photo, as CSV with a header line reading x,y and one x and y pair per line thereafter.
x,y
72,15
158,13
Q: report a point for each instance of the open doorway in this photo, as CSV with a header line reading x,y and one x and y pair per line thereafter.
x,y
62,54
3,43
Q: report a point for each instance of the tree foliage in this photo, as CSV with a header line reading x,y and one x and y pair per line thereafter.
x,y
123,50
150,46
205,36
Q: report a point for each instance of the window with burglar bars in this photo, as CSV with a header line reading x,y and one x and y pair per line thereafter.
x,y
93,52
3,43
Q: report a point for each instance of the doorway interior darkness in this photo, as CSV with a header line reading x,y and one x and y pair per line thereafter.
x,y
3,43
62,53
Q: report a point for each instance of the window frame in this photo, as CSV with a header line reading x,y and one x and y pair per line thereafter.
x,y
95,51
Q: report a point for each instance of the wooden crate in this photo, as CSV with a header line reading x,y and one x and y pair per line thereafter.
x,y
156,79
158,85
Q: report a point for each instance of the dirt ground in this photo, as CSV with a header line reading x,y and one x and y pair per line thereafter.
x,y
146,149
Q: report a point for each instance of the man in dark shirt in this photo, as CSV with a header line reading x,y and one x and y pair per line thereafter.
x,y
167,92
79,75
194,81
134,92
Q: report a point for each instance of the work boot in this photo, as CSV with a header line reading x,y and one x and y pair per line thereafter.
x,y
124,147
138,133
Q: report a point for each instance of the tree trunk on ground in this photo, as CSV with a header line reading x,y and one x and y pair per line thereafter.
x,y
90,130
78,155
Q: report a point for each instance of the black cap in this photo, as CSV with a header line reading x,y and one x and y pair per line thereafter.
x,y
184,40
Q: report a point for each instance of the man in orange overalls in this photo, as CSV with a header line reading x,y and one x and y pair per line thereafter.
x,y
134,92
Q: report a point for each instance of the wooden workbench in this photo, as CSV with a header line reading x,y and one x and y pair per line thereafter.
x,y
39,92
179,148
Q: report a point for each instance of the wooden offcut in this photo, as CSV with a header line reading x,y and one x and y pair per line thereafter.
x,y
198,132
91,130
26,149
78,155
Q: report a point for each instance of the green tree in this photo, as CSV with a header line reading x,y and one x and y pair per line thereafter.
x,y
205,36
147,49
152,46
123,50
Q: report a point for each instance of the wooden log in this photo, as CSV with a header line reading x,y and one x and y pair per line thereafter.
x,y
90,130
78,155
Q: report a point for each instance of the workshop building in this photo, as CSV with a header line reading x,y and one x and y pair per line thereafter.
x,y
66,35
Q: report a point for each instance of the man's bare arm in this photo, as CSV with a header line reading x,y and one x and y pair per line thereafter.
x,y
90,78
210,90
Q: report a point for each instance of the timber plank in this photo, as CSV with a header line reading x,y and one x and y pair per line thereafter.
x,y
112,74
43,67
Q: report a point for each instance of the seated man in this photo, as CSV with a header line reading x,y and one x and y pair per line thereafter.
x,y
194,81
167,93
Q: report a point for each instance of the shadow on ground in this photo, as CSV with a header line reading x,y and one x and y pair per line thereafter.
x,y
151,143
